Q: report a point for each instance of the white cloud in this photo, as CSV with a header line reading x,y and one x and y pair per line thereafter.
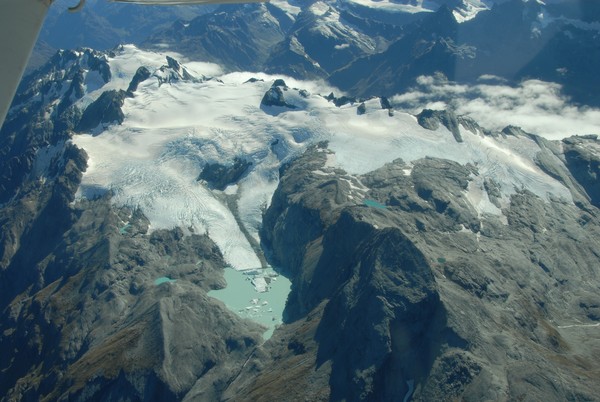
x,y
536,106
342,46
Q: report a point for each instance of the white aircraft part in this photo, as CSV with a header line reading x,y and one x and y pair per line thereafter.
x,y
20,24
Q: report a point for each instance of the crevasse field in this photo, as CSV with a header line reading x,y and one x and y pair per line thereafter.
x,y
171,131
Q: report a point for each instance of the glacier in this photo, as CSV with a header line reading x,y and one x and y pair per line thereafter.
x,y
153,160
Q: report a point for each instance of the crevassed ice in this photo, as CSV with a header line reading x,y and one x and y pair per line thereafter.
x,y
170,131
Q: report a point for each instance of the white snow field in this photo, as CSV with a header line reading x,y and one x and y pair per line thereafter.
x,y
171,131
468,10
398,7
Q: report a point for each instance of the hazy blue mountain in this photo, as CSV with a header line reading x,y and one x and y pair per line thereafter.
x,y
238,37
350,44
102,25
537,45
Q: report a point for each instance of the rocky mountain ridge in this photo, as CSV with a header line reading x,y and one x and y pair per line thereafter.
x,y
433,298
368,56
430,258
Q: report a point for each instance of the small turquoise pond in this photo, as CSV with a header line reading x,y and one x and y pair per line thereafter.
x,y
163,279
124,229
373,204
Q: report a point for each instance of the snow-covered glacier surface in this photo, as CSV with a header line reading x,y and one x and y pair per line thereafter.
x,y
171,131
465,10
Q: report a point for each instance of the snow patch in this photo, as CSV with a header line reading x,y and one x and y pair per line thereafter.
x,y
418,6
43,159
479,199
363,143
287,6
469,10
319,8
93,81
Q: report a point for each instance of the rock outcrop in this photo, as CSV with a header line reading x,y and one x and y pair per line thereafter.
x,y
220,176
275,97
173,72
104,110
141,75
416,294
582,155
86,278
431,119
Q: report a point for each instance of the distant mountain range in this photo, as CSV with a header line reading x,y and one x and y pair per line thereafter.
x,y
102,25
363,47
351,45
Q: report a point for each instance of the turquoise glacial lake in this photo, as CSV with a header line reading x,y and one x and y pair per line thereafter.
x,y
374,204
163,279
241,297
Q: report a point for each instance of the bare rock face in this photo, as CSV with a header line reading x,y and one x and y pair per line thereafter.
x,y
93,306
104,110
141,75
582,155
109,310
275,97
44,114
110,326
173,72
417,295
431,119
86,278
220,176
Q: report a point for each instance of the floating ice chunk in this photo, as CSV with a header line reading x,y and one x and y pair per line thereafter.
x,y
260,284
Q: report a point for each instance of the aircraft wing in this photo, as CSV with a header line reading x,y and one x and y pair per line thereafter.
x,y
20,24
